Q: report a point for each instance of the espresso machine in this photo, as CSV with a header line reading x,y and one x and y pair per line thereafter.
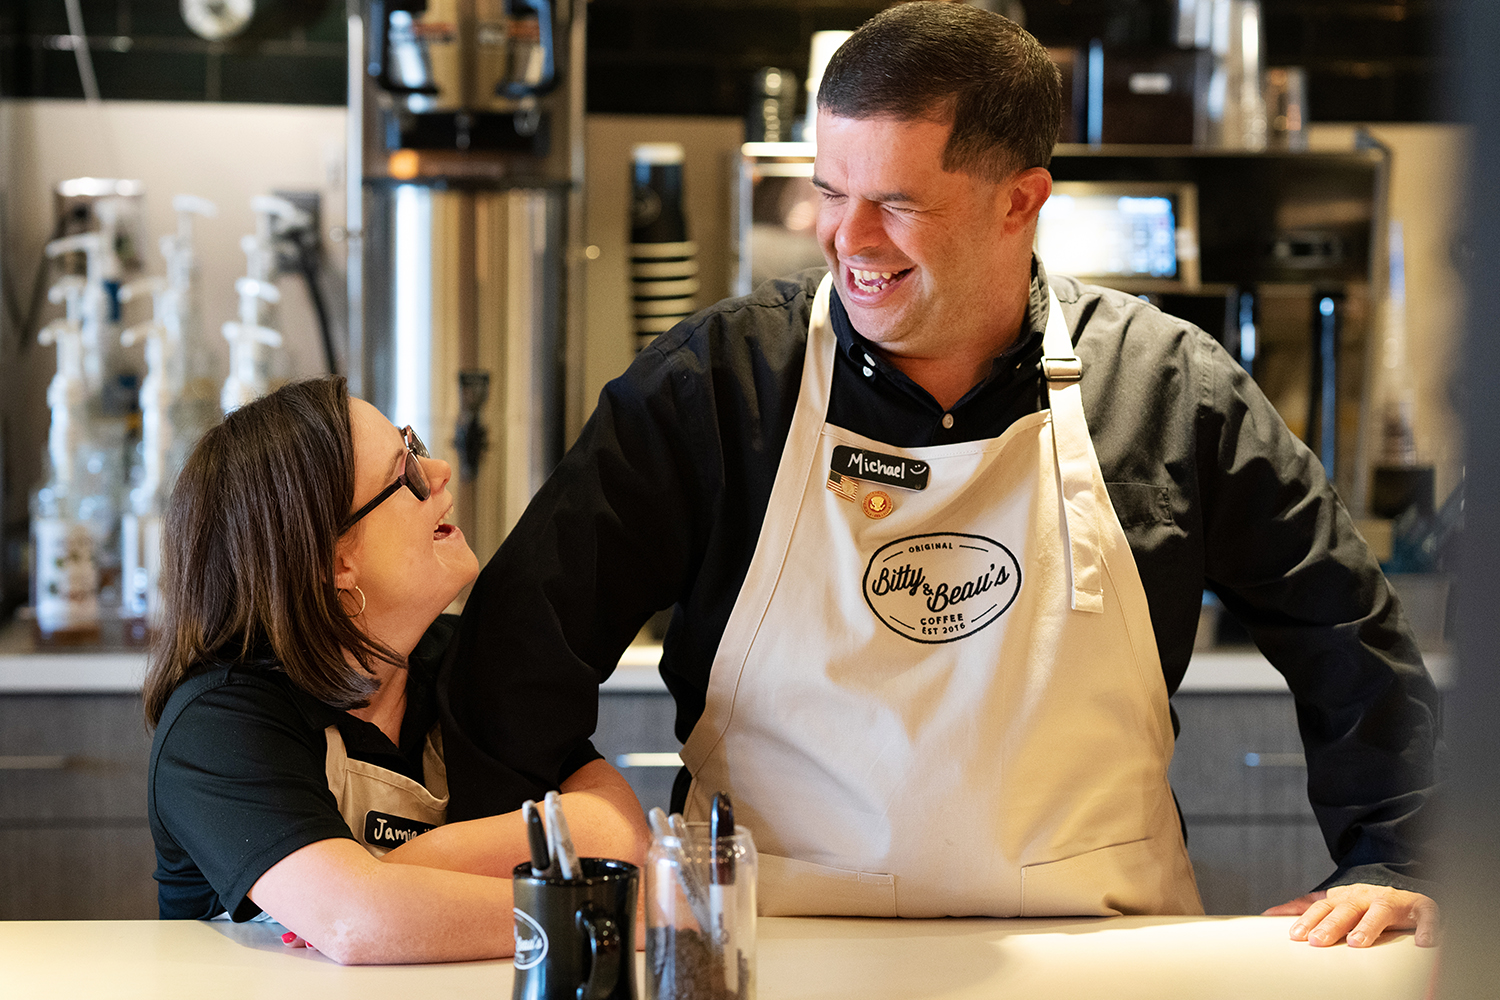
x,y
465,237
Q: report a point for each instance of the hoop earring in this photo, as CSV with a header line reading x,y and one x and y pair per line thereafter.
x,y
361,601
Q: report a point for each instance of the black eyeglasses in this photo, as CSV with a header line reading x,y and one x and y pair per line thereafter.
x,y
413,478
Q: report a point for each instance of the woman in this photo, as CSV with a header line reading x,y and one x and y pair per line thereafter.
x,y
296,768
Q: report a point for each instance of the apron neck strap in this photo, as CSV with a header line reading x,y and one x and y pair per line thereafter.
x,y
1060,364
1076,464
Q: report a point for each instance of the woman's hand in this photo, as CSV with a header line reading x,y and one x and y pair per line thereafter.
x,y
291,940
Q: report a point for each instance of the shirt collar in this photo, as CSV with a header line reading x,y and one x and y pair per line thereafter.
x,y
862,352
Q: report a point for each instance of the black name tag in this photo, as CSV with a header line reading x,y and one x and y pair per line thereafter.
x,y
385,830
890,470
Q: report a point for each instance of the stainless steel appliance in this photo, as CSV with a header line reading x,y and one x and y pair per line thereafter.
x,y
466,130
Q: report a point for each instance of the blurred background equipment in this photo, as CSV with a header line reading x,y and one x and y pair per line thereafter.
x,y
65,548
253,334
824,45
1286,107
216,20
170,423
663,261
466,167
773,106
1143,233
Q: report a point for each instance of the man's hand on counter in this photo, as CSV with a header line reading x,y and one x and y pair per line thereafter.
x,y
1360,913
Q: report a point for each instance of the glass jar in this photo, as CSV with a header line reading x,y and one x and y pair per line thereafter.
x,y
700,916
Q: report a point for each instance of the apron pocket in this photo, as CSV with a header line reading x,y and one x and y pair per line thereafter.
x,y
1122,879
787,887
1140,505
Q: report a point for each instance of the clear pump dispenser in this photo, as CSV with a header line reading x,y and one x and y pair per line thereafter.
x,y
140,525
193,370
65,570
255,332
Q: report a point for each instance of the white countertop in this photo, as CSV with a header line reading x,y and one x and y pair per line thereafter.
x,y
27,670
1122,958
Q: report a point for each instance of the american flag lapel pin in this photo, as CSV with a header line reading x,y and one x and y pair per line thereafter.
x,y
844,486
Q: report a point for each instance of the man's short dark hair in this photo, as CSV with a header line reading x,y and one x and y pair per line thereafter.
x,y
949,61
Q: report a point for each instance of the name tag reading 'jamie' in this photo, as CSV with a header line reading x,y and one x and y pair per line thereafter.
x,y
889,470
385,830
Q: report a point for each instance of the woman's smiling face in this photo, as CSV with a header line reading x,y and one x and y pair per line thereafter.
x,y
406,556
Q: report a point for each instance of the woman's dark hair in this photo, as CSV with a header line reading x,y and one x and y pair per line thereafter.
x,y
248,551
949,61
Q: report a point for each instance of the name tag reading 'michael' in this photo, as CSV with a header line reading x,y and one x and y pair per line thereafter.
x,y
890,470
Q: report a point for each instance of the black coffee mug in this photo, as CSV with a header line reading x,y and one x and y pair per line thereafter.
x,y
575,938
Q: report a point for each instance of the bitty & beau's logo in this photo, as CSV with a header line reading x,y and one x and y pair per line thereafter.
x,y
941,587
531,940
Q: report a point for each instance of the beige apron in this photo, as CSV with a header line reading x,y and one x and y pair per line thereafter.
x,y
385,809
957,708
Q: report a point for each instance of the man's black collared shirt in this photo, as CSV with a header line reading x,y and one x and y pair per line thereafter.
x,y
660,503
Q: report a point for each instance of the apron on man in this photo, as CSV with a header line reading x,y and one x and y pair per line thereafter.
x,y
944,701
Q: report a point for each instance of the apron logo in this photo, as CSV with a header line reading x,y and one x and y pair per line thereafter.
x,y
941,587
531,941
385,830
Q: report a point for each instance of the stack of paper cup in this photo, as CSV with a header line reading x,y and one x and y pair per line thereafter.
x,y
663,261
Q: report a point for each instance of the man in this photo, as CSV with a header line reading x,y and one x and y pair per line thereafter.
x,y
935,530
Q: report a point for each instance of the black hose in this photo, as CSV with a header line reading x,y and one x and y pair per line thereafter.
x,y
12,307
306,243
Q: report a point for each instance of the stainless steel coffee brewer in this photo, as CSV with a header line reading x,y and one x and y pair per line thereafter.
x,y
466,133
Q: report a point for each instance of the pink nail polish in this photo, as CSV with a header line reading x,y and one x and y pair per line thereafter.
x,y
288,937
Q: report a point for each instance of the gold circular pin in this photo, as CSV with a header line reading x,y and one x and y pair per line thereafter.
x,y
878,504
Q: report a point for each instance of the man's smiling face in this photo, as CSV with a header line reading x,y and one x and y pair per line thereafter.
x,y
917,251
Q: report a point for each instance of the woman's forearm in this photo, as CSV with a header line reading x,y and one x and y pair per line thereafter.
x,y
604,817
446,895
347,904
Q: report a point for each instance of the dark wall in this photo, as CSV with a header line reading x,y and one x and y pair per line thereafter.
x,y
293,53
1368,60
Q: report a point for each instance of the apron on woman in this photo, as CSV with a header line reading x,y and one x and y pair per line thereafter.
x,y
945,700
385,809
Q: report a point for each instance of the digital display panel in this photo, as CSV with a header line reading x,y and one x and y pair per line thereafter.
x,y
1119,231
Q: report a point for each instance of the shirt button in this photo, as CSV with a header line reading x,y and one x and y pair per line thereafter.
x,y
869,360
947,421
869,372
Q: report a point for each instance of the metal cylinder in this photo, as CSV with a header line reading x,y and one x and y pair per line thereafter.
x,y
464,334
